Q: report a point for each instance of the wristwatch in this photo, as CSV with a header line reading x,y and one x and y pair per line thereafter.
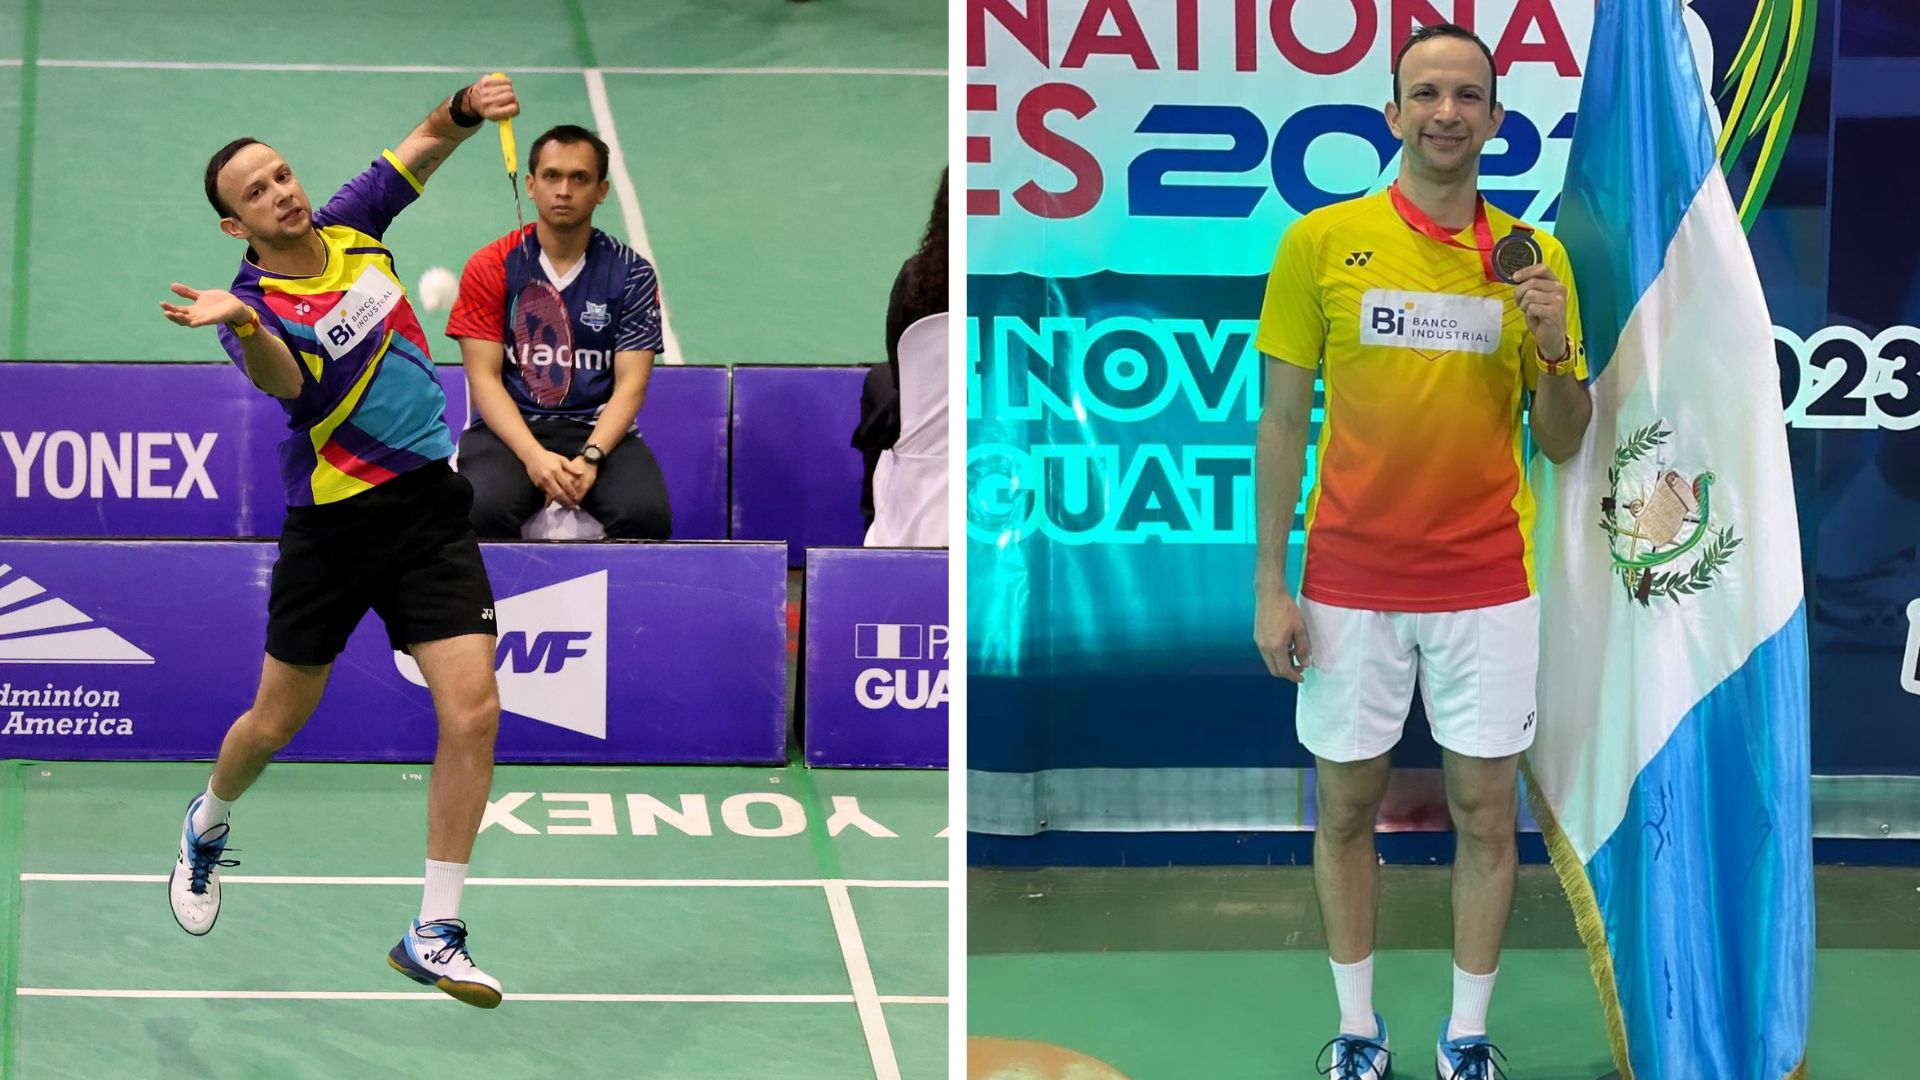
x,y
593,455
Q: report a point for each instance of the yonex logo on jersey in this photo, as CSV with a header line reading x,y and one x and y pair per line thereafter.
x,y
1910,667
125,465
1430,322
52,631
595,316
551,662
1360,258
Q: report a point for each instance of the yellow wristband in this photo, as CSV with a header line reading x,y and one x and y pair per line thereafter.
x,y
246,329
1555,367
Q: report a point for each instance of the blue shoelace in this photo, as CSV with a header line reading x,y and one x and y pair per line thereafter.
x,y
204,854
452,935
1347,1051
1476,1063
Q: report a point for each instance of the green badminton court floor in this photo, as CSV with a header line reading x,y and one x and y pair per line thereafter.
x,y
782,157
674,923
1222,972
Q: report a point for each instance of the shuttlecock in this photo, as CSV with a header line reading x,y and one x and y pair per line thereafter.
x,y
438,289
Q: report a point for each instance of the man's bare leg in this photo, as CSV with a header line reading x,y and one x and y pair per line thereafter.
x,y
459,672
287,696
1346,878
1482,794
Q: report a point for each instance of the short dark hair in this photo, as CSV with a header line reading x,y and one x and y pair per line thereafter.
x,y
1432,31
218,162
566,135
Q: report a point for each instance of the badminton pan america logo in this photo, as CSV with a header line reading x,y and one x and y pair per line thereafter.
x,y
37,628
551,662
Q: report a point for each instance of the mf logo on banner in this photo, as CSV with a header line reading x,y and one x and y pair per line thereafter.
x,y
921,686
551,661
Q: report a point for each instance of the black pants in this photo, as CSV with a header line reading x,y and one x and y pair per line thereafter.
x,y
628,498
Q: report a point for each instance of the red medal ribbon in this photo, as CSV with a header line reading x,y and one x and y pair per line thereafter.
x,y
1419,222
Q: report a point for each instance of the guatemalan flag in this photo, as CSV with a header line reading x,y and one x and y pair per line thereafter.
x,y
1670,772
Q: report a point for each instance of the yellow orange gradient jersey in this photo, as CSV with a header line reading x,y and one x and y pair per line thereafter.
x,y
1420,502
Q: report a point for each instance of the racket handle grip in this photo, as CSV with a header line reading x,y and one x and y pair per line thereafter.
x,y
507,148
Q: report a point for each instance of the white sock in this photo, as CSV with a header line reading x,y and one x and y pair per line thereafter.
x,y
1353,985
213,810
1471,993
442,898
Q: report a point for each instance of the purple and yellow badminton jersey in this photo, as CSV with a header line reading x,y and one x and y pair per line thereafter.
x,y
369,407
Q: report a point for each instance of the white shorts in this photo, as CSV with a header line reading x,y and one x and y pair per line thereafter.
x,y
1476,673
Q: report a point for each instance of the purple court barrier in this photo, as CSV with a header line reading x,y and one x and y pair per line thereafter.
x,y
684,421
137,450
876,657
613,653
795,476
187,450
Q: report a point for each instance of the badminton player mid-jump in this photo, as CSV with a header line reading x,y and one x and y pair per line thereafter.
x,y
317,318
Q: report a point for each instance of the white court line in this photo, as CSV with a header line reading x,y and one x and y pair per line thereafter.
x,y
448,69
408,995
557,883
630,204
866,996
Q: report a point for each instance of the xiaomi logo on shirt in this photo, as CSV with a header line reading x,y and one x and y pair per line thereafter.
x,y
1430,322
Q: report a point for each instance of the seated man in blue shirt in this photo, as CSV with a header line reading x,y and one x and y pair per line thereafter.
x,y
556,425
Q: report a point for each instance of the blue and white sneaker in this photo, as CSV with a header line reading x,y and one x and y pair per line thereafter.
x,y
1356,1058
1470,1057
435,953
194,887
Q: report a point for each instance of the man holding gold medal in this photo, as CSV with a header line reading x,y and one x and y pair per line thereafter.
x,y
1432,317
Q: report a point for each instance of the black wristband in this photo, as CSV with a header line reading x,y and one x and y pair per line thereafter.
x,y
457,108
